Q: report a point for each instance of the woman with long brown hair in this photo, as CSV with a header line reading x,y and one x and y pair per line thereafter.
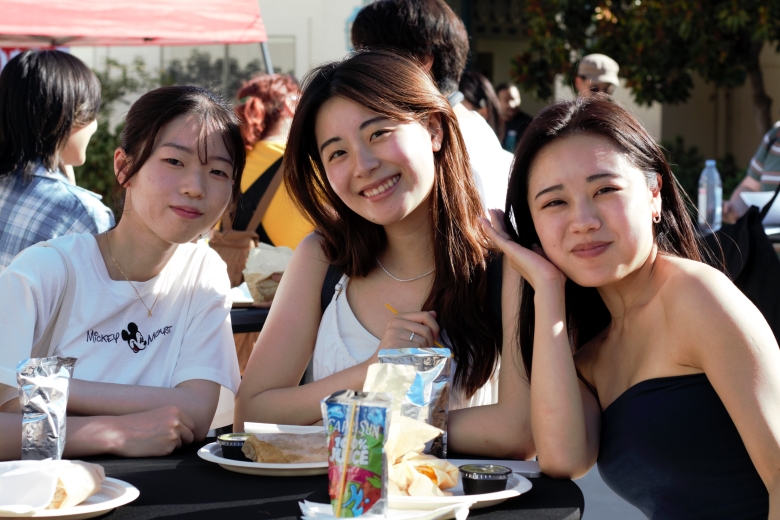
x,y
675,379
376,160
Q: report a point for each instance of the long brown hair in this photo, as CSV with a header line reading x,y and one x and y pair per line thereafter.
x,y
396,87
586,313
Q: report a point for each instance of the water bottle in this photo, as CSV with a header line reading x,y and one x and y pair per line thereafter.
x,y
710,198
510,143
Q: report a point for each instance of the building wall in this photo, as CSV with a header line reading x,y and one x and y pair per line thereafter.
x,y
718,121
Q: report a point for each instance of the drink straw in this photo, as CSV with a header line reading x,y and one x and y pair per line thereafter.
x,y
396,312
345,450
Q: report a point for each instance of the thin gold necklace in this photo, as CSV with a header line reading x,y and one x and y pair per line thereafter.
x,y
108,243
652,271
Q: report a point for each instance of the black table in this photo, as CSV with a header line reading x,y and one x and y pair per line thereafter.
x,y
248,319
183,485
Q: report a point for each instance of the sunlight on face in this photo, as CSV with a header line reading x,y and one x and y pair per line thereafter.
x,y
174,195
382,169
592,209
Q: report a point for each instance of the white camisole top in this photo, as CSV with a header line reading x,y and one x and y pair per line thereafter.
x,y
342,342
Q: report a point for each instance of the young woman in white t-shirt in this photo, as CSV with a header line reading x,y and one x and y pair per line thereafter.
x,y
376,160
149,324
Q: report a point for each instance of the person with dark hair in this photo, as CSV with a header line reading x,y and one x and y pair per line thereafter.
x,y
515,120
433,33
479,96
375,159
149,316
675,379
49,102
267,104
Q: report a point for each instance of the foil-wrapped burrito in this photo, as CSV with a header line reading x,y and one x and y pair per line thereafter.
x,y
43,395
428,399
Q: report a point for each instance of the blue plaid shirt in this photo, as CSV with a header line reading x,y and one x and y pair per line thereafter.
x,y
45,207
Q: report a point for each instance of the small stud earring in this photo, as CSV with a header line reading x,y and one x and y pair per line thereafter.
x,y
657,219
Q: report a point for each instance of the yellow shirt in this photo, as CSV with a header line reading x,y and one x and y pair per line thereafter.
x,y
282,222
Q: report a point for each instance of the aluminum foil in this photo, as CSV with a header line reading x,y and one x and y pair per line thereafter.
x,y
429,397
43,394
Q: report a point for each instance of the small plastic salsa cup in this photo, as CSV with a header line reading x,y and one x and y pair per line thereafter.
x,y
484,478
231,444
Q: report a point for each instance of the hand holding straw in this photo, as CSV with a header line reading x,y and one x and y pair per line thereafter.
x,y
396,312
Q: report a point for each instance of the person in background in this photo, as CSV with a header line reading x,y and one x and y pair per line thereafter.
x,y
596,73
645,359
763,174
515,120
479,96
49,102
266,107
433,33
376,159
149,323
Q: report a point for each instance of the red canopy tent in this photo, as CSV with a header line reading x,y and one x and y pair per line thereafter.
x,y
52,23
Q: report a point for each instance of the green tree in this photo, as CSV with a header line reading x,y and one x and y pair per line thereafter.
x,y
199,69
117,81
659,45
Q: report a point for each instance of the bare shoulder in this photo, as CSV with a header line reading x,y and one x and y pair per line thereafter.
x,y
704,307
310,248
696,288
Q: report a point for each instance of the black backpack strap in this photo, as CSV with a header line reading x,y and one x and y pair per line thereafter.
x,y
332,278
495,276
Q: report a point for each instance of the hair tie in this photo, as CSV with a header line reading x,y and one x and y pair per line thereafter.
x,y
244,100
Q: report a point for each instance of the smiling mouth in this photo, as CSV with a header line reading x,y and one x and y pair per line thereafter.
x,y
590,249
187,212
389,183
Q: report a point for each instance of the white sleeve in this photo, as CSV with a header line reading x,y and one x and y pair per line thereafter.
x,y
29,287
208,350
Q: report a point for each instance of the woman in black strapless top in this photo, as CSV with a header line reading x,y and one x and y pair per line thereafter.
x,y
674,385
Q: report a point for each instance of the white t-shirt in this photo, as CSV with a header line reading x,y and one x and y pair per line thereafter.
x,y
490,164
188,337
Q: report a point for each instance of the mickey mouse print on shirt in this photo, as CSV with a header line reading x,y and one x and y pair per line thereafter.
x,y
135,340
132,335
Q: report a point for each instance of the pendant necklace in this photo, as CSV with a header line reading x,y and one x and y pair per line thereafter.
x,y
149,309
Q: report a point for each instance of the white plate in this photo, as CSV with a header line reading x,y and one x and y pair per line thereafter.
x,y
516,486
258,427
213,453
315,511
113,493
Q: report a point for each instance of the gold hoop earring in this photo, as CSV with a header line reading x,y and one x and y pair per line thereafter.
x,y
657,219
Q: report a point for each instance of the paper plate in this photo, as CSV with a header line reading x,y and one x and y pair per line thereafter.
x,y
213,453
113,493
517,485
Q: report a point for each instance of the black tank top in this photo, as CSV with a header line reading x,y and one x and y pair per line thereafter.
x,y
670,448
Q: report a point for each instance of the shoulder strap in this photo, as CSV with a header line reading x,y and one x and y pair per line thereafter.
x,y
495,276
332,277
58,322
268,194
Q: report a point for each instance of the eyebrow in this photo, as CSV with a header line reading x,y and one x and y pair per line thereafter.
x,y
190,151
362,126
590,178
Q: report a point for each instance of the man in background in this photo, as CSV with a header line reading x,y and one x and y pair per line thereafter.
x,y
515,119
596,73
434,34
763,174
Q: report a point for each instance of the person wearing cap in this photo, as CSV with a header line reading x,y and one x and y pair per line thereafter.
x,y
596,73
